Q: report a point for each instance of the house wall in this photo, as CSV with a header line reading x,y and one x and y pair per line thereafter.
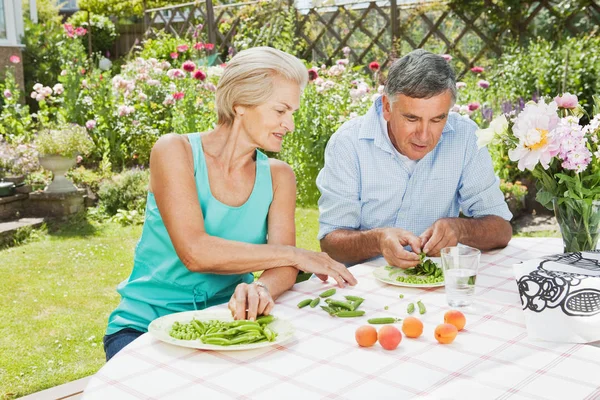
x,y
5,54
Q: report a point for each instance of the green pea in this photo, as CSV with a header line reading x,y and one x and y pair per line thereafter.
x,y
411,308
422,309
304,303
328,293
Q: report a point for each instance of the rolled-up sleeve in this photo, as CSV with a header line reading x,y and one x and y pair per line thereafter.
x,y
479,190
339,184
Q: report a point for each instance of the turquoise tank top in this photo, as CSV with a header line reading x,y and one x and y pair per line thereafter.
x,y
160,283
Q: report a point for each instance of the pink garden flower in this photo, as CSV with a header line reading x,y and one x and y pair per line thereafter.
x,y
312,74
474,106
199,46
567,100
7,94
346,50
447,57
90,124
174,55
178,95
477,69
374,66
15,59
189,66
483,84
80,31
182,48
209,46
199,74
461,85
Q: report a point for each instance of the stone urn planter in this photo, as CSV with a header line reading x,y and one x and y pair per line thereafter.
x,y
59,165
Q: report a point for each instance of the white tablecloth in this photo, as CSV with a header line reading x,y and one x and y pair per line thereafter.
x,y
491,358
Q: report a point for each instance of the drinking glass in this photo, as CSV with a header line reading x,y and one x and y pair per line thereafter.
x,y
460,264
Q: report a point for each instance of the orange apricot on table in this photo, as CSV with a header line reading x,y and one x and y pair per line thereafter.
x,y
445,333
389,337
366,336
455,318
412,327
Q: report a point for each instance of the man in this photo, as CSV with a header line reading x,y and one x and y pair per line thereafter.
x,y
399,175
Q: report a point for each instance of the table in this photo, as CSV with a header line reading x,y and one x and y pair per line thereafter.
x,y
491,358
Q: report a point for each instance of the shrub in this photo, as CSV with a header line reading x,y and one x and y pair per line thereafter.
x,y
102,30
84,177
126,191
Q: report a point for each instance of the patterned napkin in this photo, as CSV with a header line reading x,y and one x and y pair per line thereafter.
x,y
560,295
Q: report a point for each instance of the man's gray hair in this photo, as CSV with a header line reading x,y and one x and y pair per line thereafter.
x,y
420,75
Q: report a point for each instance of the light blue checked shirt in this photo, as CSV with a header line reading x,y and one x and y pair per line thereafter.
x,y
365,185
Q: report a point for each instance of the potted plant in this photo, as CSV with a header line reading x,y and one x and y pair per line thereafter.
x,y
58,149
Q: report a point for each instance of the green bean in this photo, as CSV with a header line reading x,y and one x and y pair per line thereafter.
x,y
411,308
304,303
315,302
422,309
383,320
350,314
328,293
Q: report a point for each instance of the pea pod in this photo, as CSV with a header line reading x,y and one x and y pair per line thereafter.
x,y
329,310
328,293
342,304
357,303
265,319
246,338
422,309
411,308
315,302
383,320
350,314
217,341
354,298
249,328
304,303
269,334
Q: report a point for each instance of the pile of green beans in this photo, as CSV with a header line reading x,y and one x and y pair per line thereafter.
x,y
336,308
226,333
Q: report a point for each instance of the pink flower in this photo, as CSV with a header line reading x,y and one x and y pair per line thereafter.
x,y
343,61
199,74
374,66
174,55
210,87
447,57
477,70
15,59
483,84
460,85
474,106
69,30
182,48
80,31
209,46
7,94
346,50
91,124
312,74
79,159
189,66
567,100
178,95
199,46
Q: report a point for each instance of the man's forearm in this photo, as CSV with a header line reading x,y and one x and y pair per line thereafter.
x,y
347,246
484,233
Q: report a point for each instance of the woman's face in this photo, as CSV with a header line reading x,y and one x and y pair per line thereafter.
x,y
268,123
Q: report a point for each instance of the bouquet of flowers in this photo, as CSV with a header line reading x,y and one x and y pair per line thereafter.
x,y
548,140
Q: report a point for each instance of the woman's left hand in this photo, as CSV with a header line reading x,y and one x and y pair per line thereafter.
x,y
249,301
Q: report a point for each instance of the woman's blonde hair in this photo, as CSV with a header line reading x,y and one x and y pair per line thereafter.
x,y
248,79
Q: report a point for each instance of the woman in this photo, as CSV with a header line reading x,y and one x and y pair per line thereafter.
x,y
218,209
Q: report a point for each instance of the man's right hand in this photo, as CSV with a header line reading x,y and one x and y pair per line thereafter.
x,y
391,245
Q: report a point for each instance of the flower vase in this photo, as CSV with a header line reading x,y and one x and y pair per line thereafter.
x,y
579,222
59,166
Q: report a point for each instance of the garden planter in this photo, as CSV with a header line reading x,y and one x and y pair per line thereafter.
x,y
59,165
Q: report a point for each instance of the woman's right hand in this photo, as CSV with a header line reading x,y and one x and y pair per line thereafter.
x,y
323,266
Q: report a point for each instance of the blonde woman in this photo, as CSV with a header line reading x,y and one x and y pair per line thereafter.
x,y
218,209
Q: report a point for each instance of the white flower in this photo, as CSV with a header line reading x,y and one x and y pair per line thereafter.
x,y
497,127
58,88
104,64
37,87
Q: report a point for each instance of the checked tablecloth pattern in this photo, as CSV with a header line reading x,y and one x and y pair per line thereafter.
x,y
491,358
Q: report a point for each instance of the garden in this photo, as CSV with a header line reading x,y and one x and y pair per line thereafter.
x,y
58,281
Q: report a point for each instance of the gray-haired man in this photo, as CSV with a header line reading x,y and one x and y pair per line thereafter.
x,y
399,175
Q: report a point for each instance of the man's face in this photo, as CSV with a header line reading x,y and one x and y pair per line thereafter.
x,y
415,125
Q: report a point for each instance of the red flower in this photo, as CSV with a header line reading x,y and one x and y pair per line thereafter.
x,y
477,70
209,46
182,48
199,74
15,59
312,74
199,46
174,55
474,106
178,95
374,66
189,66
80,31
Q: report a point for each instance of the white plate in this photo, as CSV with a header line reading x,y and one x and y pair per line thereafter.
x,y
160,328
389,276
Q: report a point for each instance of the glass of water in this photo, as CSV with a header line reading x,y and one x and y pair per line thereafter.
x,y
460,273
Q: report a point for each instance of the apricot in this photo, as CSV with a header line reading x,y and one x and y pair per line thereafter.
x,y
389,337
455,318
366,336
412,327
445,333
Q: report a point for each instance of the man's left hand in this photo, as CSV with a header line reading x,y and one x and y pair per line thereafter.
x,y
444,232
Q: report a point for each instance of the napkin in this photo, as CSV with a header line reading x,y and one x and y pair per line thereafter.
x,y
560,295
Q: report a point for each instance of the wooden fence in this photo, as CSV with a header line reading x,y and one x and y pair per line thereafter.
x,y
382,30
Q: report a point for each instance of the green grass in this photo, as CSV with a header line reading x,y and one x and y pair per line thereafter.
x,y
56,294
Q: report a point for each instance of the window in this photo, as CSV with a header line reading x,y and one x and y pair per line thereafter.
x,y
2,21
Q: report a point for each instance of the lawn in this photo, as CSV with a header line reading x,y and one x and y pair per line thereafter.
x,y
57,292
